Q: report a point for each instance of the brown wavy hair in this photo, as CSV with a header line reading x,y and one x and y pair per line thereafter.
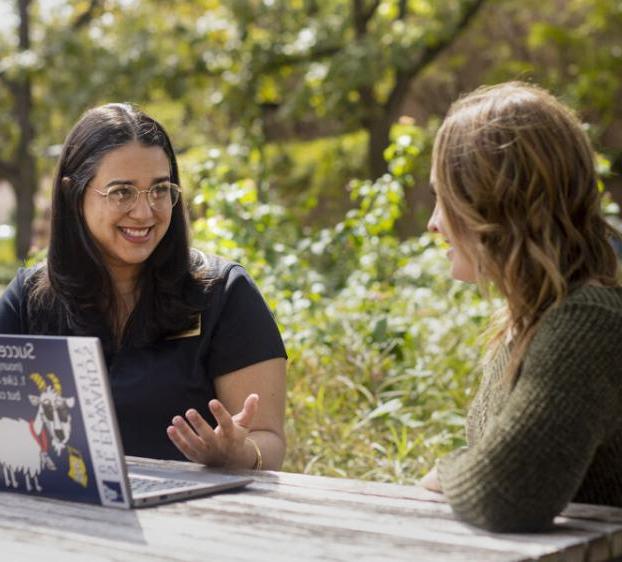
x,y
515,175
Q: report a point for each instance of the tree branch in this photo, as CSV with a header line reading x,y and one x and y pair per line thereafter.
x,y
293,60
372,9
95,7
10,85
426,57
361,19
361,16
8,171
24,24
402,10
23,87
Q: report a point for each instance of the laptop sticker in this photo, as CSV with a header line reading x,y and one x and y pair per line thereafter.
x,y
43,446
88,371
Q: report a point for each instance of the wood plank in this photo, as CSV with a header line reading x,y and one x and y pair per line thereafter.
x,y
291,516
422,526
296,520
595,512
192,536
573,543
611,531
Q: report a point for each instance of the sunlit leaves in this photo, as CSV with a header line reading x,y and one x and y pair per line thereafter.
x,y
382,345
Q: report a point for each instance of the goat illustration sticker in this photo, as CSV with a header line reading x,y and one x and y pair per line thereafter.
x,y
43,446
26,445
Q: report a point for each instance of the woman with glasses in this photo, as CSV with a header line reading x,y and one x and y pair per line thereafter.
x,y
517,201
196,362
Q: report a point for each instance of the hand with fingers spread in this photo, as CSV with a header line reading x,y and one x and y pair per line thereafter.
x,y
223,446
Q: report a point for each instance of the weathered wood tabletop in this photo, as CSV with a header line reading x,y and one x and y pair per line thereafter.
x,y
283,516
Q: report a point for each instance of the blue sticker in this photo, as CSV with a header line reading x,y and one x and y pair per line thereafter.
x,y
112,491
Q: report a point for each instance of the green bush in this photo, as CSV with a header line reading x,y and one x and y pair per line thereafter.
x,y
8,264
382,344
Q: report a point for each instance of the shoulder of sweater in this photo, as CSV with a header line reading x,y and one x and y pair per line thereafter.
x,y
596,296
580,335
602,303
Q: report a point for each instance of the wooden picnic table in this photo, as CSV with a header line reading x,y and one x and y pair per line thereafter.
x,y
293,517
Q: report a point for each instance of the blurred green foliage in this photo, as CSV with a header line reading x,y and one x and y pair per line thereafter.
x,y
382,344
305,86
270,105
8,265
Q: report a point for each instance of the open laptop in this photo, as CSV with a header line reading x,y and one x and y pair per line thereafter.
x,y
59,435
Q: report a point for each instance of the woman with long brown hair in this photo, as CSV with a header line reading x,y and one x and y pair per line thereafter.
x,y
517,200
196,361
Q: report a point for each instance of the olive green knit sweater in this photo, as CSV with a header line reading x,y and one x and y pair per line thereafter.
x,y
556,436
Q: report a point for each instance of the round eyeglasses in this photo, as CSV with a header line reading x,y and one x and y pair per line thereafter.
x,y
124,197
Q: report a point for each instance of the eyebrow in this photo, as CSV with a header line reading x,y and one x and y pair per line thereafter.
x,y
133,182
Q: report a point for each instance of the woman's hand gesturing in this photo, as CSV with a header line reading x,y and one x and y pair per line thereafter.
x,y
223,446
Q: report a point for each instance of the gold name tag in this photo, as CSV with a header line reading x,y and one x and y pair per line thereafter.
x,y
196,331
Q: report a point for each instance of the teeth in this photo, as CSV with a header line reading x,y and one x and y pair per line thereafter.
x,y
136,232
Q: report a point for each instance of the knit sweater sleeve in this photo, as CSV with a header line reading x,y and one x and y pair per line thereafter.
x,y
532,459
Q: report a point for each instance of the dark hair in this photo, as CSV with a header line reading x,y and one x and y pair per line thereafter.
x,y
74,293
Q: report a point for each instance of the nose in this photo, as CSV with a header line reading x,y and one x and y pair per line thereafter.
x,y
433,222
142,209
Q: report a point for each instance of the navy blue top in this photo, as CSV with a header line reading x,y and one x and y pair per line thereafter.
x,y
152,384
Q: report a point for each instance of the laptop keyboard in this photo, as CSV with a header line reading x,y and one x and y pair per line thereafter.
x,y
148,484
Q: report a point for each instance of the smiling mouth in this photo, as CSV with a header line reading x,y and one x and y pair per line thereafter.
x,y
135,234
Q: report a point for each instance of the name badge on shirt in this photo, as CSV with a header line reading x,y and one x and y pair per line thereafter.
x,y
196,331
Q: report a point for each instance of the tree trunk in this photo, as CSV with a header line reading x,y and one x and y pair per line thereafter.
x,y
25,188
26,181
25,184
378,141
